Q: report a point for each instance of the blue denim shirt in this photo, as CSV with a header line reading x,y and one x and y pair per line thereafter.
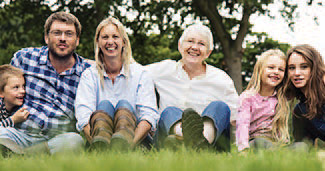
x,y
136,87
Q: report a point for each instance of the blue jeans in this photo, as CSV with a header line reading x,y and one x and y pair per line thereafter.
x,y
217,111
305,128
108,107
63,142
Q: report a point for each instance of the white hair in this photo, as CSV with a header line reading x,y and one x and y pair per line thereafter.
x,y
199,28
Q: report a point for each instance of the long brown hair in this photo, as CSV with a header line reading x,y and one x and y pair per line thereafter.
x,y
280,131
315,87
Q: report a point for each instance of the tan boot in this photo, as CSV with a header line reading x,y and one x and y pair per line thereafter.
x,y
125,124
101,130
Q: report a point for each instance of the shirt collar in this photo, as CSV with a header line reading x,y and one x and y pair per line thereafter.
x,y
263,98
76,69
122,73
181,73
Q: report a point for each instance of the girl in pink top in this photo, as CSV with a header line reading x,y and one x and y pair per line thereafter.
x,y
263,113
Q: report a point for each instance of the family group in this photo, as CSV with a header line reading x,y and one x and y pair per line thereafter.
x,y
53,100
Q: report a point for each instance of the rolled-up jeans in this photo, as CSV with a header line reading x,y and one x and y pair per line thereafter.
x,y
217,111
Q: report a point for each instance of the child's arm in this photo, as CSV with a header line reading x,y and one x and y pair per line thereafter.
x,y
7,122
20,116
243,123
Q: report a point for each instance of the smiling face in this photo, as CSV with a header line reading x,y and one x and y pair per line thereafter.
x,y
110,41
299,70
273,72
194,48
62,40
14,92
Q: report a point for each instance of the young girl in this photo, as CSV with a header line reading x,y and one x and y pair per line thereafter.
x,y
306,71
263,112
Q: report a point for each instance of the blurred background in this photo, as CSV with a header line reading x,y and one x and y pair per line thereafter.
x,y
242,29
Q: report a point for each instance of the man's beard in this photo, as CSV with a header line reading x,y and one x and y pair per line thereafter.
x,y
60,57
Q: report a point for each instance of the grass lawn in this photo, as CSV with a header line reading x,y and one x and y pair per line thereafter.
x,y
168,160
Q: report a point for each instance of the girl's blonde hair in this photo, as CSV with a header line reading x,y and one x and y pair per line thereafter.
x,y
280,130
126,49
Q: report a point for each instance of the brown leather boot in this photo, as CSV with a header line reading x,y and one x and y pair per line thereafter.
x,y
101,130
125,124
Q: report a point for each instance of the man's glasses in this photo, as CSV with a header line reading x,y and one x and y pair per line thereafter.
x,y
58,33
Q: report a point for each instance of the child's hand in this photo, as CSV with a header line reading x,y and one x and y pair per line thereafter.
x,y
20,116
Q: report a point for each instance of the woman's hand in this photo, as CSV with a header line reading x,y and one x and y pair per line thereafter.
x,y
142,130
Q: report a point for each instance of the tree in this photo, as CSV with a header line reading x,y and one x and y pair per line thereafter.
x,y
228,19
222,16
230,42
20,26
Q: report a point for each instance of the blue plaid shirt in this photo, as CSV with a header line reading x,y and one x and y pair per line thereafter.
x,y
49,96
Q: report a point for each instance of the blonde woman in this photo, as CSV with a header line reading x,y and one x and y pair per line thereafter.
x,y
263,113
115,102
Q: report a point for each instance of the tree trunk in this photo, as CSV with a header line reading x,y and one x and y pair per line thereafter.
x,y
231,48
234,67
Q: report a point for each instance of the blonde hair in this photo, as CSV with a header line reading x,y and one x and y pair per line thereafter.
x,y
126,49
7,71
280,130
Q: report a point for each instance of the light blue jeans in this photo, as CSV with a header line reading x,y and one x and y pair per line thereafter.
x,y
60,143
108,107
217,111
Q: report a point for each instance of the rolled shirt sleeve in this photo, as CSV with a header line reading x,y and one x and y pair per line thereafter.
x,y
85,102
146,101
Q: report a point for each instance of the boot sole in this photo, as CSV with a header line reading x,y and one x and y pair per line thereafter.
x,y
192,128
99,143
119,143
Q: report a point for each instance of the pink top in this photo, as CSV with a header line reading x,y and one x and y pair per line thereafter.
x,y
254,119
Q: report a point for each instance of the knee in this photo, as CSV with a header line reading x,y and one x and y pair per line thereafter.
x,y
106,106
74,141
124,104
105,103
69,142
170,111
220,106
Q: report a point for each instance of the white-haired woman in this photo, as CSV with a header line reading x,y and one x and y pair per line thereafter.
x,y
196,99
115,102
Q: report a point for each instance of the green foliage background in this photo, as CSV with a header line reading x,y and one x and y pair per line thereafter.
x,y
22,22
